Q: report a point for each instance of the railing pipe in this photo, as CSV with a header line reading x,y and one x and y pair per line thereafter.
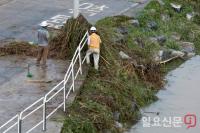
x,y
44,127
68,71
62,82
20,123
73,77
80,61
64,98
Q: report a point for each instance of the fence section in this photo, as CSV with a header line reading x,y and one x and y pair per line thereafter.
x,y
68,81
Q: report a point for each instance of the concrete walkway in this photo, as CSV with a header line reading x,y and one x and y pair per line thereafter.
x,y
18,92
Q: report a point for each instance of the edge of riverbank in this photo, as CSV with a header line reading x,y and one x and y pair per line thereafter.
x,y
129,77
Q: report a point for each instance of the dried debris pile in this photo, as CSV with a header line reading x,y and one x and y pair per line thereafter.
x,y
18,48
61,46
67,40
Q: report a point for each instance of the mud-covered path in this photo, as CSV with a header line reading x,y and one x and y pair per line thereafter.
x,y
17,91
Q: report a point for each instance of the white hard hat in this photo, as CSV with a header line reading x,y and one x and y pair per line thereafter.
x,y
93,28
44,24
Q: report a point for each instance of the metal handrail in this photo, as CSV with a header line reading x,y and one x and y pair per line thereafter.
x,y
11,120
24,117
21,118
60,87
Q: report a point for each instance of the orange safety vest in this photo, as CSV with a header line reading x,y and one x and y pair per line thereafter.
x,y
95,41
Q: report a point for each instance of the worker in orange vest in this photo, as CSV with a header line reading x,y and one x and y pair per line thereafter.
x,y
94,42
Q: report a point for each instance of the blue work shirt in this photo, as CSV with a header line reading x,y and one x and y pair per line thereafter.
x,y
43,36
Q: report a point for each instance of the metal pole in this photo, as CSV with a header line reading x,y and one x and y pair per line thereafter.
x,y
80,60
44,115
73,76
76,8
64,106
19,124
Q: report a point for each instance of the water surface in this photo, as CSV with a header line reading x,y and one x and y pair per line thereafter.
x,y
180,97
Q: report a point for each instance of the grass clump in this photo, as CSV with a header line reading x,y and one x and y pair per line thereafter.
x,y
175,23
173,45
78,125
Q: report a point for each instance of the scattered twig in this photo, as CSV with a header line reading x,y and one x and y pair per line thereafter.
x,y
39,81
175,57
105,60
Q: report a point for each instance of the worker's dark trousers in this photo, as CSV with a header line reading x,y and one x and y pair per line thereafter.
x,y
42,54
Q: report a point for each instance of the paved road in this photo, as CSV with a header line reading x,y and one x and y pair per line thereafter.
x,y
18,17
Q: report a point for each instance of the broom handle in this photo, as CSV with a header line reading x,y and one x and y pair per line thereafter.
x,y
28,68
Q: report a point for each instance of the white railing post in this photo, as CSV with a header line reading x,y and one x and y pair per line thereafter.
x,y
20,123
44,127
73,76
64,98
80,61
